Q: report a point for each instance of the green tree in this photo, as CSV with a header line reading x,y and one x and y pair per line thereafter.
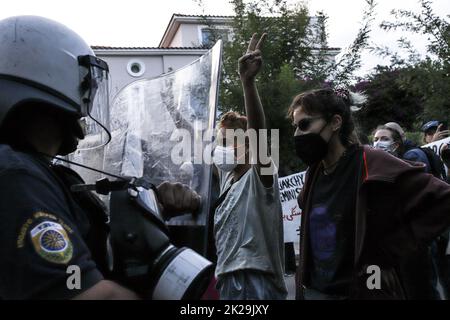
x,y
427,77
387,101
296,58
285,54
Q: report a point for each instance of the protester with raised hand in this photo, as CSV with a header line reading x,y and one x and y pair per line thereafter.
x,y
434,131
248,226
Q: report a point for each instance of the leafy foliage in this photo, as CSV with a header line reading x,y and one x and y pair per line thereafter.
x,y
296,58
427,78
388,100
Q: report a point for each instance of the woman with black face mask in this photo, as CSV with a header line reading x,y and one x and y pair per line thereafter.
x,y
364,211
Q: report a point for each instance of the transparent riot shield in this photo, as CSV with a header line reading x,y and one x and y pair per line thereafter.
x,y
162,130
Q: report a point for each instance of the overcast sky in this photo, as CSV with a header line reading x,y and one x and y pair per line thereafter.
x,y
143,22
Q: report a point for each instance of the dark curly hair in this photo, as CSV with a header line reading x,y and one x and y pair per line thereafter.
x,y
327,103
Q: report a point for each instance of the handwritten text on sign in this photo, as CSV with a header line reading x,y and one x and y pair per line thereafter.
x,y
290,187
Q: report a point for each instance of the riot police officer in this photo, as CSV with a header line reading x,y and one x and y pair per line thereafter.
x,y
49,79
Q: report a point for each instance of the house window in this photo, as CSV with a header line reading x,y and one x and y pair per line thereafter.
x,y
207,38
135,68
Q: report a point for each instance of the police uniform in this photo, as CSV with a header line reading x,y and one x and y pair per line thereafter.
x,y
44,229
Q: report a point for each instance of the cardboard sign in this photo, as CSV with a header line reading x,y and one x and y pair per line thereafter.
x,y
290,187
438,145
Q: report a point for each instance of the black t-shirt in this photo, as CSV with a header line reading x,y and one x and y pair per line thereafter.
x,y
332,226
42,232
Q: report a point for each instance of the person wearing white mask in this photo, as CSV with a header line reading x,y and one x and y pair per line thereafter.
x,y
420,276
248,224
390,137
389,140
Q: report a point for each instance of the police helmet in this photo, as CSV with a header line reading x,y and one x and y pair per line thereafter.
x,y
430,125
44,62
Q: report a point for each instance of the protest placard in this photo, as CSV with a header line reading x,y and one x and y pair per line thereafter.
x,y
290,187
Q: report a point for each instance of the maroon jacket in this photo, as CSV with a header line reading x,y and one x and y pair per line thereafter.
x,y
399,210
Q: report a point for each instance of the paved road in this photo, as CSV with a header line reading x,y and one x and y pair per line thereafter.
x,y
290,284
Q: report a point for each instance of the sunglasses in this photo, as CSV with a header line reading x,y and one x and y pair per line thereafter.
x,y
304,124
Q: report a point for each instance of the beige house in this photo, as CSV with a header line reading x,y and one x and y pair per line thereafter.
x,y
194,31
185,39
128,64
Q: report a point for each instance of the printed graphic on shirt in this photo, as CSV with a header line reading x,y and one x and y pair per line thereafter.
x,y
51,242
323,231
323,243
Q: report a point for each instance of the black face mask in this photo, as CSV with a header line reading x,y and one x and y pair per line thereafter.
x,y
311,147
73,133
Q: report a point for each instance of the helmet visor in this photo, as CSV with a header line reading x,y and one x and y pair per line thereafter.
x,y
95,107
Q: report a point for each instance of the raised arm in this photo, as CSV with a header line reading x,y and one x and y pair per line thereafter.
x,y
249,66
440,133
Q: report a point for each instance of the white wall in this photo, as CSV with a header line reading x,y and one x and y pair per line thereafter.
x,y
120,76
173,62
155,65
177,40
190,35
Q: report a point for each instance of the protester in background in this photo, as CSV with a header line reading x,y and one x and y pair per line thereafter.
x,y
361,206
443,243
407,144
445,156
393,140
418,271
425,155
389,140
434,130
248,225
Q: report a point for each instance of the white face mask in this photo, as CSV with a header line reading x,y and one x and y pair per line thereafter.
x,y
224,159
387,146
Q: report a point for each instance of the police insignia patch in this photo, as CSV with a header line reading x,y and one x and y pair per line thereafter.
x,y
51,242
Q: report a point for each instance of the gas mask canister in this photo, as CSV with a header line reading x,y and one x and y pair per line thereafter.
x,y
140,252
144,254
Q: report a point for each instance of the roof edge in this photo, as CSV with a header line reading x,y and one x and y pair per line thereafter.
x,y
177,19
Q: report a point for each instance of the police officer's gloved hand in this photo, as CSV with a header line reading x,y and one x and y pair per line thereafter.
x,y
177,199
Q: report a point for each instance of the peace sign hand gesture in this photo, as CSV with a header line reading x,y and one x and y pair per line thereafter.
x,y
250,63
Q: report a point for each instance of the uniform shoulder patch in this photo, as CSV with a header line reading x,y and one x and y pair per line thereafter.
x,y
51,242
